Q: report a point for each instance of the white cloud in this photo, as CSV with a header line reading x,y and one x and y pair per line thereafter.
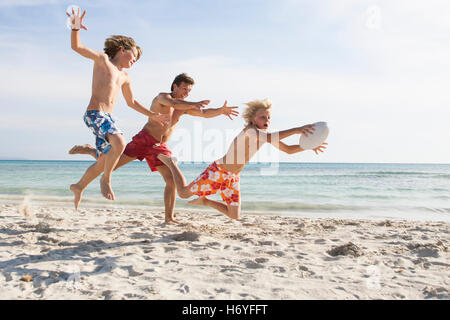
x,y
20,3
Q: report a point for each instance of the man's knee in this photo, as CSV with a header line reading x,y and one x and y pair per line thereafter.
x,y
170,184
185,194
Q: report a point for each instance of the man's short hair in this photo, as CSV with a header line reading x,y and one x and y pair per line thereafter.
x,y
182,78
114,43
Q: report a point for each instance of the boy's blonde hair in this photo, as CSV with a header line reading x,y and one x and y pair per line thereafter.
x,y
253,107
114,43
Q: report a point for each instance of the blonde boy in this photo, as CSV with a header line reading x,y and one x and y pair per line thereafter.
x,y
223,174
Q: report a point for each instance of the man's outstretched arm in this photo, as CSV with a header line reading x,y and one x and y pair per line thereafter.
x,y
214,112
166,99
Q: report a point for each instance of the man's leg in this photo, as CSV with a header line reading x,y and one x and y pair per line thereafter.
x,y
112,158
170,193
230,211
180,181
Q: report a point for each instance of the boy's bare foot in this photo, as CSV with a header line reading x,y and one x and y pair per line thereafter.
x,y
84,149
105,188
198,202
167,160
77,192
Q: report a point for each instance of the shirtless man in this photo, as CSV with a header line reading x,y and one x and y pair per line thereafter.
x,y
151,140
109,77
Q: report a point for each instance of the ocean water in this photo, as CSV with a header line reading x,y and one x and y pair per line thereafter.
x,y
316,190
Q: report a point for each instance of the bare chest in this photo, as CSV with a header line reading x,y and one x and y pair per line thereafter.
x,y
107,76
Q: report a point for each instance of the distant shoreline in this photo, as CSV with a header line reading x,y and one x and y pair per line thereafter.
x,y
293,162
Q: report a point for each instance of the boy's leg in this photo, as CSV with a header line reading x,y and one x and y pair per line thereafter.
x,y
88,149
180,181
112,158
230,211
170,193
84,149
91,173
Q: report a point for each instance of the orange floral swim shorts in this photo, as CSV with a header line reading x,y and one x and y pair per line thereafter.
x,y
216,178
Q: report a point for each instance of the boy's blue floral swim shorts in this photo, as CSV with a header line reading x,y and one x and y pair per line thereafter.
x,y
101,123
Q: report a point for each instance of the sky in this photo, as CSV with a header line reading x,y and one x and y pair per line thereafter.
x,y
376,71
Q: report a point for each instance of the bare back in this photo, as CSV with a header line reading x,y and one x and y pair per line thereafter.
x,y
161,132
106,82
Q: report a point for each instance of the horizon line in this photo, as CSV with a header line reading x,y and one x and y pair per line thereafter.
x,y
258,162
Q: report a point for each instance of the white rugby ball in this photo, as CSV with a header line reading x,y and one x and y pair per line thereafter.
x,y
315,139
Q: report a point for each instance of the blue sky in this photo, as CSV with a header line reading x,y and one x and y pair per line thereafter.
x,y
376,71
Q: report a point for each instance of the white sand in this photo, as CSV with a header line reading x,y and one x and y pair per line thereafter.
x,y
126,253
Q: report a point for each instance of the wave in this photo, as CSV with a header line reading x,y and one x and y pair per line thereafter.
x,y
394,173
264,207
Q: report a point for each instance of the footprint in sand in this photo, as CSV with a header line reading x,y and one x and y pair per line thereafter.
x,y
186,236
345,250
276,253
278,269
253,265
267,243
133,273
171,262
170,249
184,289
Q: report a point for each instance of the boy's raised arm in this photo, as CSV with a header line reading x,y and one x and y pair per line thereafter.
x,y
75,42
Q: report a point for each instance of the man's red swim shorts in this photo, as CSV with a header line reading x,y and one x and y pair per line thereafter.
x,y
144,145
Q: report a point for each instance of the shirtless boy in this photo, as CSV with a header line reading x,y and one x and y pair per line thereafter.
x,y
109,76
151,140
223,174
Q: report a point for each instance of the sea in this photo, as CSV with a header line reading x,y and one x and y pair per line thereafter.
x,y
374,191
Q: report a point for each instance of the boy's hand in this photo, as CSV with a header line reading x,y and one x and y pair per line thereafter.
x,y
201,104
229,111
76,20
307,129
319,148
162,118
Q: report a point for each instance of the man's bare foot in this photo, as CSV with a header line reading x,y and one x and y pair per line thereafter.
x,y
167,160
84,149
77,192
198,202
105,188
172,220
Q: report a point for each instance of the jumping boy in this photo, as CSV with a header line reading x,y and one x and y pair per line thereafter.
x,y
223,174
109,76
151,140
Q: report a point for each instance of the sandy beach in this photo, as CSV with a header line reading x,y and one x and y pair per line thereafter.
x,y
109,252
